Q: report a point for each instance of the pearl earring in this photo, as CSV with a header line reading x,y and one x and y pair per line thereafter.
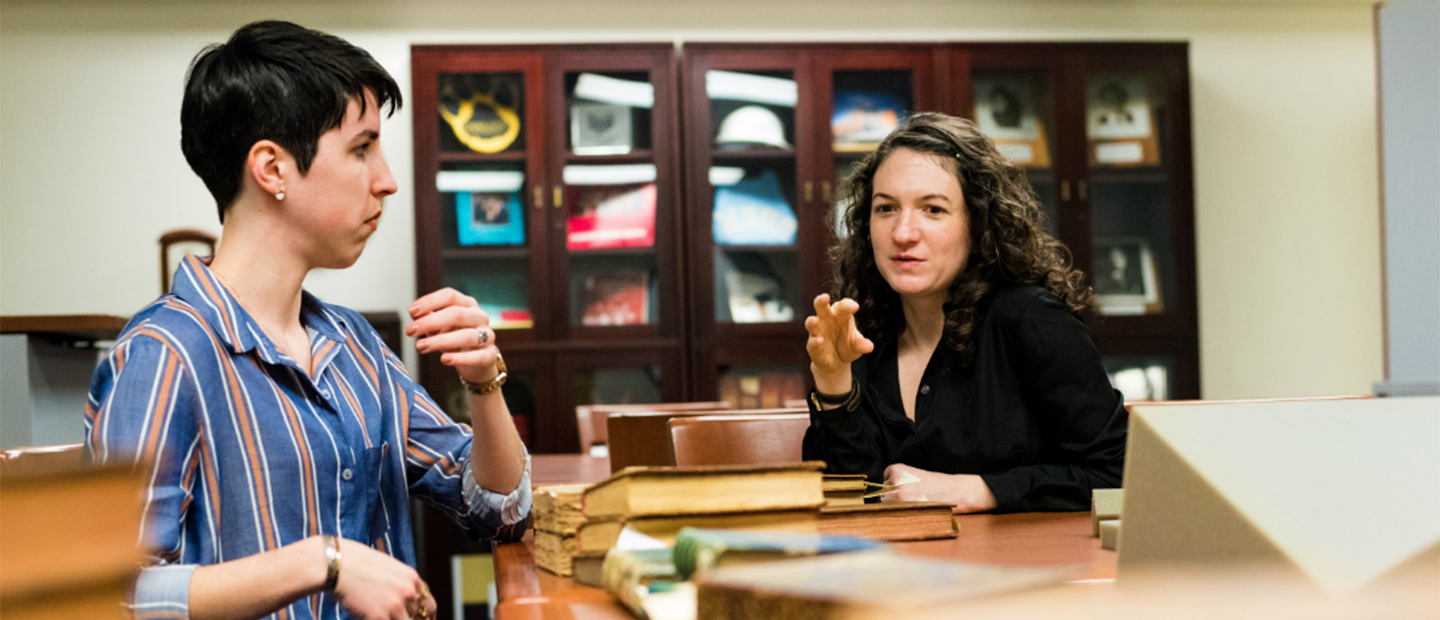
x,y
280,195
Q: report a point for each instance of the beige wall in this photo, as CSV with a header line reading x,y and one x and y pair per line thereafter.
x,y
1284,125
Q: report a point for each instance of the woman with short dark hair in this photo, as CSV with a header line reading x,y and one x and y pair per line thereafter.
x,y
956,362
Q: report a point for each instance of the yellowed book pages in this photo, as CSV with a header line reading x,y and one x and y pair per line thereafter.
x,y
643,491
554,552
893,521
1330,490
557,507
601,535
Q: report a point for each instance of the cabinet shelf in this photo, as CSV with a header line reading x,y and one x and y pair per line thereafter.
x,y
635,251
479,253
637,156
1137,175
770,249
471,156
753,155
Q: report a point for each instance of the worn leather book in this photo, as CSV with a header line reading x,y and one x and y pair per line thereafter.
x,y
890,521
645,491
867,584
597,535
631,576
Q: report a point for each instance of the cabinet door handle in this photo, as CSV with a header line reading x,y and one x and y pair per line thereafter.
x,y
825,191
809,191
1064,191
559,197
539,197
1083,193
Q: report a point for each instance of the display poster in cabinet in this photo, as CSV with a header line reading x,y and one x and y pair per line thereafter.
x,y
1120,121
1008,111
753,292
862,119
612,216
753,211
600,129
619,297
481,111
1125,277
489,218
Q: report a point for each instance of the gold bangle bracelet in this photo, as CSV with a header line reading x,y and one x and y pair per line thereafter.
x,y
332,563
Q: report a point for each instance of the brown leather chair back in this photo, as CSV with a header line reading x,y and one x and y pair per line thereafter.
x,y
592,420
643,437
738,439
40,459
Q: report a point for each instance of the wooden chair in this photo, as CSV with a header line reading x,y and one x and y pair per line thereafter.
x,y
738,439
594,430
175,244
643,437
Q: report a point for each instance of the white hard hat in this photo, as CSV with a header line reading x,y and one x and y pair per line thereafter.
x,y
752,124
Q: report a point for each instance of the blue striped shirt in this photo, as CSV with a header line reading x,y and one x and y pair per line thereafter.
x,y
245,452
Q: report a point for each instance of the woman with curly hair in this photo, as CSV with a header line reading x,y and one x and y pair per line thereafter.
x,y
955,362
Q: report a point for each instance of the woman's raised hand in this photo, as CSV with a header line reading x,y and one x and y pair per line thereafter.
x,y
834,343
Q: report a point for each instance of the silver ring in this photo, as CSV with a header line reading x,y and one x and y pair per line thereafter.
x,y
484,335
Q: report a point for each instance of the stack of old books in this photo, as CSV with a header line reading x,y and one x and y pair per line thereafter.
x,y
557,519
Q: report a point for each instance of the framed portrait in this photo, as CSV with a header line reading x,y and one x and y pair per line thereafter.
x,y
1125,277
600,129
1120,121
1007,109
489,218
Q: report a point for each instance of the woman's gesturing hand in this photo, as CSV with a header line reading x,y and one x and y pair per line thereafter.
x,y
964,492
452,323
834,342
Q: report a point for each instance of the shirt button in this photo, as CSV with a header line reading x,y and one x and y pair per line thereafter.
x,y
346,475
325,393
924,389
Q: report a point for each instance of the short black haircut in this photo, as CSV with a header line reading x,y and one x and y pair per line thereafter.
x,y
272,80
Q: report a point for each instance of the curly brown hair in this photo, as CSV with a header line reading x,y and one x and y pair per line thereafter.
x,y
1009,244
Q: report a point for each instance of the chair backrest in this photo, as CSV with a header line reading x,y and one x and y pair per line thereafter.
x,y
40,459
175,244
592,419
738,439
643,437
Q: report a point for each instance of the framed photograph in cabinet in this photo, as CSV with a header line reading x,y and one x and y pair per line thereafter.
x,y
1120,121
600,129
1007,109
1124,277
490,218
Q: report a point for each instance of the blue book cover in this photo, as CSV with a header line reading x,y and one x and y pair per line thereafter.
x,y
490,218
754,212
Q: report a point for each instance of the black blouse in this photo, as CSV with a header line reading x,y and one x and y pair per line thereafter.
x,y
1033,414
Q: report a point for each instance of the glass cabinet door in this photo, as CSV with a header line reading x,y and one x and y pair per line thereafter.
x,y
754,221
611,199
866,105
1015,108
486,233
1133,258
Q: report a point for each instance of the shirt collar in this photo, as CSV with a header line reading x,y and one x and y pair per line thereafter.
x,y
195,284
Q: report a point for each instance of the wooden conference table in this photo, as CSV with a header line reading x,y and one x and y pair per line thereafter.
x,y
526,592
